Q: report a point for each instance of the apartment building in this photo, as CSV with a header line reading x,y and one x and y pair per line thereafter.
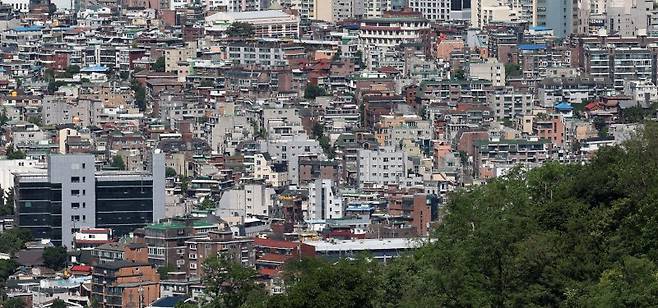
x,y
496,156
618,64
324,202
166,241
216,243
381,166
290,150
491,70
508,102
247,201
434,10
392,130
124,283
267,54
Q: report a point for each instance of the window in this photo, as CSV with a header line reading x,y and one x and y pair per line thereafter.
x,y
75,205
75,179
75,192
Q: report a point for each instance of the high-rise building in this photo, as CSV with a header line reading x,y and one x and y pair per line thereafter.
x,y
435,10
564,17
71,194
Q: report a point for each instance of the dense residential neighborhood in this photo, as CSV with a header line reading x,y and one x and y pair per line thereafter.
x,y
242,153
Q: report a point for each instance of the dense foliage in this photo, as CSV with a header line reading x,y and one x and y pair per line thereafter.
x,y
55,257
559,235
241,30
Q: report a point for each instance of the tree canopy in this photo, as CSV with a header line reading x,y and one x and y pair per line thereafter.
x,y
159,65
241,29
581,235
312,91
118,163
12,240
13,153
55,257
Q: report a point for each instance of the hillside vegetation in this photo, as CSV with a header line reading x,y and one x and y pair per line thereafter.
x,y
560,235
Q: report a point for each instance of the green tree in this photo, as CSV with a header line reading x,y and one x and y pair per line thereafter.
x,y
241,30
634,283
72,70
7,268
170,172
581,235
318,132
634,115
58,303
140,94
207,204
159,65
13,240
163,271
358,59
36,120
513,70
347,283
118,163
312,91
601,126
14,302
7,202
459,75
184,183
15,154
4,119
55,257
229,284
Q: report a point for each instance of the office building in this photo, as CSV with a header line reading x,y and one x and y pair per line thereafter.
x,y
71,194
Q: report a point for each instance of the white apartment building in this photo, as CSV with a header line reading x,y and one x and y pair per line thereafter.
x,y
230,5
381,166
324,202
484,12
250,200
434,10
262,169
375,8
289,149
643,92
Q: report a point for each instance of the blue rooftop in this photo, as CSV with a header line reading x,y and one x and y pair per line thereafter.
x,y
28,28
539,28
95,69
563,106
532,46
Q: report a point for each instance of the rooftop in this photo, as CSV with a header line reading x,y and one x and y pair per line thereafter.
x,y
365,244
